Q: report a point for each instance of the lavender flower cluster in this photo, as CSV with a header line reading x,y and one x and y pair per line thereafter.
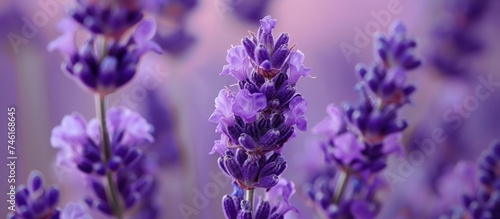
x,y
174,38
258,119
361,136
457,35
107,151
108,59
484,200
36,200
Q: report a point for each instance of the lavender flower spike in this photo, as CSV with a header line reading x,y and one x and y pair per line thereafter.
x,y
38,201
485,200
106,17
35,200
108,59
361,136
80,147
257,119
79,141
263,114
386,78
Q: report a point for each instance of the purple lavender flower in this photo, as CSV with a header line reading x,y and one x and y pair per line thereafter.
x,y
250,11
363,142
176,42
456,36
361,136
161,113
133,186
358,201
35,200
486,203
80,147
279,196
373,123
274,206
104,64
79,141
173,9
387,76
333,124
461,180
107,17
259,118
174,38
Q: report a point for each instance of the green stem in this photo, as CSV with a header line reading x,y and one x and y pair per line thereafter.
x,y
344,179
249,197
111,190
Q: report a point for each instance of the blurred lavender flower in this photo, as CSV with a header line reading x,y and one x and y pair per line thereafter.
x,y
361,136
38,201
484,202
172,15
80,147
107,17
456,36
359,200
460,181
260,117
250,11
166,147
108,59
175,42
274,206
386,77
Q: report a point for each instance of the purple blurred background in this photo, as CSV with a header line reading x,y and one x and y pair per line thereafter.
x,y
186,83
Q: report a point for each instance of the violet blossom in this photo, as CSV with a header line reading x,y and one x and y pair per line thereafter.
x,y
80,147
484,202
257,119
39,201
456,36
173,34
361,136
108,59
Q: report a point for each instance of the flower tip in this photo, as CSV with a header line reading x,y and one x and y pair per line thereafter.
x,y
398,27
268,24
35,180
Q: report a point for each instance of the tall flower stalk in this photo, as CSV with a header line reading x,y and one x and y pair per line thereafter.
x,y
107,149
361,136
111,191
257,119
